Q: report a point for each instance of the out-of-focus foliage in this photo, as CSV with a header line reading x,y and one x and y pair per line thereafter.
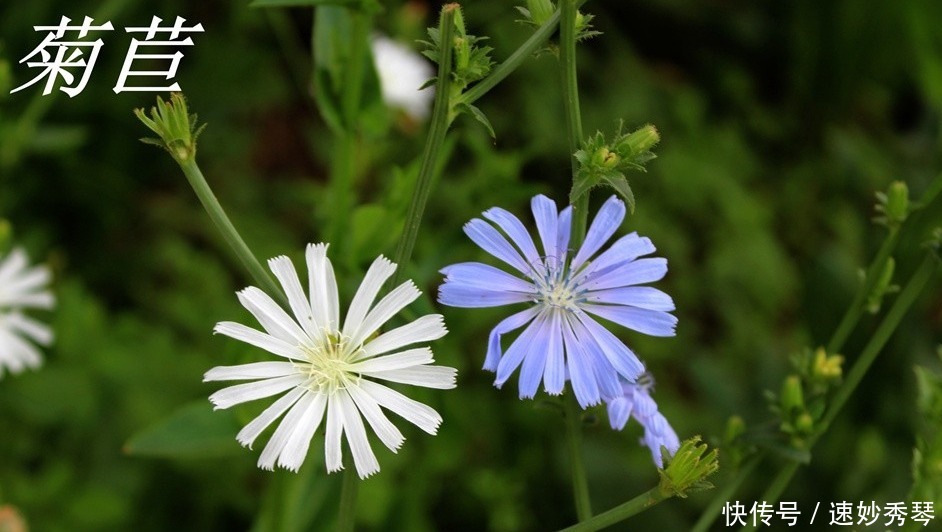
x,y
778,122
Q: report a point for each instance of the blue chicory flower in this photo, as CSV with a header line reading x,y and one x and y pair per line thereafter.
x,y
562,341
635,401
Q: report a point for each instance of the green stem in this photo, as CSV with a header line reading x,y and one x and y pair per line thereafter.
x,y
433,143
725,494
856,308
621,512
528,48
909,295
348,500
580,484
570,85
193,174
567,56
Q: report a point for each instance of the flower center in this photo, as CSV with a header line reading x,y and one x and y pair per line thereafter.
x,y
329,363
554,284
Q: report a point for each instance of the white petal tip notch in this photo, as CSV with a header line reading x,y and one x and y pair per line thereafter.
x,y
328,373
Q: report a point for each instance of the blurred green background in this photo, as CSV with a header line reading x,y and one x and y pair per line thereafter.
x,y
779,121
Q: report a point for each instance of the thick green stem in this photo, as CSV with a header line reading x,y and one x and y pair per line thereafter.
x,y
433,143
909,295
570,83
193,174
348,500
621,512
580,484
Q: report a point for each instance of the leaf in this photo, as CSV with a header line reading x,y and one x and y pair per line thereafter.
x,y
479,116
620,184
193,431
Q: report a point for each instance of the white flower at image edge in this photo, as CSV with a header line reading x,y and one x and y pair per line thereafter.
x,y
22,287
402,71
329,373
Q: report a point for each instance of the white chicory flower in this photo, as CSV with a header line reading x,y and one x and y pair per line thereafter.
x,y
22,287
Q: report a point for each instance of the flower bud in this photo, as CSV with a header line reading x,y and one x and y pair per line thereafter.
x,y
897,201
792,399
804,424
642,140
540,11
735,427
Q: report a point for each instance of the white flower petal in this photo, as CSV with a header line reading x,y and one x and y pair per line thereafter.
x,y
404,359
250,391
271,316
381,270
32,329
322,287
284,271
384,310
250,432
258,339
279,438
422,416
425,329
332,453
17,354
295,449
10,267
255,370
441,377
384,429
363,456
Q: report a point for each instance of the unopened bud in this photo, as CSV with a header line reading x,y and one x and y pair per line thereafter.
x,y
897,201
643,139
804,424
792,399
735,428
540,10
826,367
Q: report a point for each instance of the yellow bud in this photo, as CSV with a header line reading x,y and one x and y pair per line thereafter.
x,y
792,396
827,367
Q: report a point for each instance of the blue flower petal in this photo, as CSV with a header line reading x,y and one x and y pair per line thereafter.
x,y
534,361
633,296
513,227
462,295
619,356
478,275
546,216
517,351
490,240
623,251
554,377
511,323
605,374
563,227
618,411
637,272
652,322
604,225
581,375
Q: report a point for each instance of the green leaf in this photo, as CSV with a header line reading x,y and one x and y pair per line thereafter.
x,y
193,431
479,116
620,184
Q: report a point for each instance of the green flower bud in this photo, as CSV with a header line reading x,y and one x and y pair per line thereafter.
x,y
176,128
804,424
643,139
792,399
897,201
689,468
540,11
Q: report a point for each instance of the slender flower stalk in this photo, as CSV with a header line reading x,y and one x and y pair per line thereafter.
x,y
178,131
433,142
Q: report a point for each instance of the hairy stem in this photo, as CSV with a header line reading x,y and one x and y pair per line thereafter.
x,y
621,512
580,484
